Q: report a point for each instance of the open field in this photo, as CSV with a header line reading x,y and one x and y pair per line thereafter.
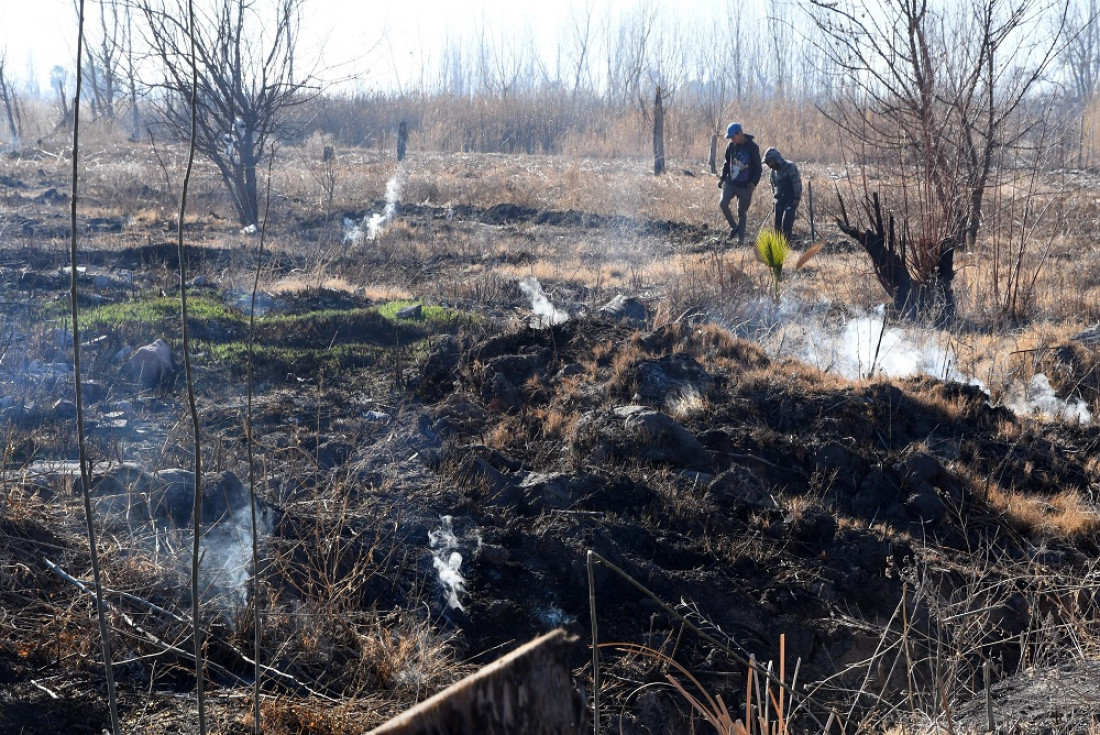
x,y
909,508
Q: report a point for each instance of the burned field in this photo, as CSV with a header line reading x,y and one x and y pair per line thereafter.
x,y
439,424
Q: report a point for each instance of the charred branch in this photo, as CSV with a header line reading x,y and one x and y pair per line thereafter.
x,y
916,276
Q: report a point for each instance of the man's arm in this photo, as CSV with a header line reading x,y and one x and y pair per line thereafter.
x,y
755,167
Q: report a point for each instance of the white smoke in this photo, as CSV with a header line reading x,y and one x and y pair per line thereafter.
x,y
1038,398
353,232
227,557
868,346
548,315
374,225
394,187
447,562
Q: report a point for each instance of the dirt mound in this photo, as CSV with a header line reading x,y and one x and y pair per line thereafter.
x,y
714,475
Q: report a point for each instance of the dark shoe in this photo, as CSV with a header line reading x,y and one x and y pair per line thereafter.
x,y
733,233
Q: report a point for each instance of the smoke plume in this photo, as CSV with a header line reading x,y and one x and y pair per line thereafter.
x,y
227,561
545,312
867,346
374,225
1038,398
447,561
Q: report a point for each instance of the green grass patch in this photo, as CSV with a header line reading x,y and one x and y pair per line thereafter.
x,y
277,362
320,329
146,319
434,317
329,342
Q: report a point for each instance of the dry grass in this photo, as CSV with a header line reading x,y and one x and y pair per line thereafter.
x,y
728,285
1066,514
687,404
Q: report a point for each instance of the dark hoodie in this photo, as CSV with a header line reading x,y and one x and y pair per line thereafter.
x,y
744,159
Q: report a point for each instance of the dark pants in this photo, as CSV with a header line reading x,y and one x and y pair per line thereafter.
x,y
784,217
743,194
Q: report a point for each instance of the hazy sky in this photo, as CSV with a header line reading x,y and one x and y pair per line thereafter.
x,y
378,42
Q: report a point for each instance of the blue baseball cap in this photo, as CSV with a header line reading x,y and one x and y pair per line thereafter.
x,y
733,130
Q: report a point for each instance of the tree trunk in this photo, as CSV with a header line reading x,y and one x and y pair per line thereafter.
x,y
135,113
658,135
66,115
7,96
885,259
712,159
402,139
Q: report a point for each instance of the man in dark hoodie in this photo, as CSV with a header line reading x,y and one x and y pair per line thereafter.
x,y
740,175
786,190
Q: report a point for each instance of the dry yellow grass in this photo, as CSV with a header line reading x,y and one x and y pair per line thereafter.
x,y
555,423
687,404
295,284
1064,515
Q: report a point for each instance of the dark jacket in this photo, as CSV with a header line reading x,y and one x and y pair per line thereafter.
x,y
744,160
786,183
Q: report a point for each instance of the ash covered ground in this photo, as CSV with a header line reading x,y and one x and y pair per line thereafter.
x,y
429,486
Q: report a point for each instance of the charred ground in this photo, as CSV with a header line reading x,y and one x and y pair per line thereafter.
x,y
898,534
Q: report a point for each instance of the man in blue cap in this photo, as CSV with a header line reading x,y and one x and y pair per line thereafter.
x,y
740,175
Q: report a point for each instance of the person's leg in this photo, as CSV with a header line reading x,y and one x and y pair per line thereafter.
x,y
788,221
779,217
724,205
744,199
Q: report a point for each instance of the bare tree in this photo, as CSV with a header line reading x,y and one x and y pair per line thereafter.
x,y
780,47
725,78
936,91
628,46
58,79
130,70
247,81
716,84
667,60
739,50
454,71
579,36
1081,57
658,134
507,65
103,56
10,103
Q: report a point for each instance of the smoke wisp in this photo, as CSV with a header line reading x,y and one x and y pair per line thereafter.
x,y
447,561
373,225
1039,398
394,187
227,561
547,315
868,346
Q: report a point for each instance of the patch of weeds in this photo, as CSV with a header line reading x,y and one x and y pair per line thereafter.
x,y
436,318
279,361
328,328
144,320
332,342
